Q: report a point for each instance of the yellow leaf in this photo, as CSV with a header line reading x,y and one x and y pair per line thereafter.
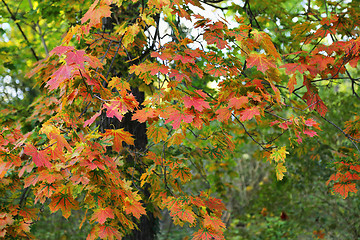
x,y
280,169
279,154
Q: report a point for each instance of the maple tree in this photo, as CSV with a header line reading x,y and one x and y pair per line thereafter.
x,y
126,116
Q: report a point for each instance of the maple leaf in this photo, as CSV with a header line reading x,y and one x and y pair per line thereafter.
x,y
121,85
238,102
291,68
76,57
310,133
249,113
313,99
206,234
321,61
223,114
197,102
279,154
280,169
135,208
291,84
215,37
109,232
120,136
65,202
92,119
115,108
59,50
176,116
157,133
213,223
176,138
343,188
96,13
261,62
312,123
216,71
264,40
183,173
58,77
40,158
100,215
142,115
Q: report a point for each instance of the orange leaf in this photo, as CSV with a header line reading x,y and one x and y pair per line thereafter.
x,y
120,136
96,13
196,102
100,215
205,234
143,114
65,202
238,102
92,119
214,223
157,134
176,116
135,208
109,232
260,61
291,68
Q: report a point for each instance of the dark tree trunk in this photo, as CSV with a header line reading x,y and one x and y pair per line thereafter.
x,y
148,225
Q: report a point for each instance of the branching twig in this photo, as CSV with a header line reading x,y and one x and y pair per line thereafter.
x,y
22,32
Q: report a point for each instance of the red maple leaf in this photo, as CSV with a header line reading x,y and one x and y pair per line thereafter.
x,y
197,102
142,115
291,68
214,223
223,114
115,108
59,50
249,113
310,133
92,119
40,158
58,77
291,84
177,116
343,188
260,61
76,57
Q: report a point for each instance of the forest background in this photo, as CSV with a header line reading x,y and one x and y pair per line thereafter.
x,y
151,115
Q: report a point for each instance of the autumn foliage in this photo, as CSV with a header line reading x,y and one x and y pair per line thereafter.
x,y
68,164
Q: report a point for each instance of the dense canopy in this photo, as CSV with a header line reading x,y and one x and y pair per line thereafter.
x,y
233,118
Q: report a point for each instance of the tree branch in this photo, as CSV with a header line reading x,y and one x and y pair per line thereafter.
x,y
22,32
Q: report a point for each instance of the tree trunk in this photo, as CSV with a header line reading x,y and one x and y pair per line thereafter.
x,y
148,225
